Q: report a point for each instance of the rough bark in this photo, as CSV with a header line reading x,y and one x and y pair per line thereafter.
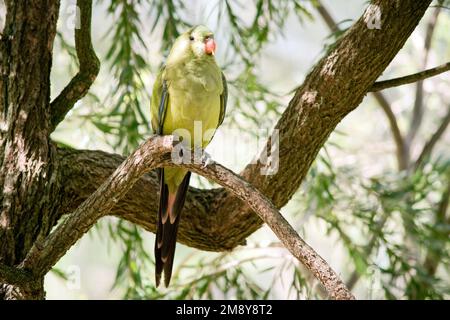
x,y
28,170
412,78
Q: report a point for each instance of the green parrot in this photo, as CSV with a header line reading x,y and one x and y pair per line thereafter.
x,y
189,90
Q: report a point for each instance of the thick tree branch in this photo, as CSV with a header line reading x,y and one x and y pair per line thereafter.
x,y
89,67
334,87
429,146
155,153
381,85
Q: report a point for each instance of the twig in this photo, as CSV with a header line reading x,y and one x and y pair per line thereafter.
x,y
14,276
401,152
326,16
155,152
417,114
89,67
381,85
428,148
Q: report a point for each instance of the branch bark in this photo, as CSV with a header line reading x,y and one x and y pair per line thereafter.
x,y
29,193
419,76
79,86
155,153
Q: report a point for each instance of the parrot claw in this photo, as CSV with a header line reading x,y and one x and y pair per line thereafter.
x,y
206,159
202,157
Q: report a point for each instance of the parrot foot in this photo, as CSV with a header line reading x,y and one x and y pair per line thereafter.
x,y
206,159
202,157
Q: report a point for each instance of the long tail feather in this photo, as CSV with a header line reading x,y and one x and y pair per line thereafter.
x,y
170,206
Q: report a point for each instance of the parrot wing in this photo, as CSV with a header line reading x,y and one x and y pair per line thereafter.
x,y
170,205
223,100
159,103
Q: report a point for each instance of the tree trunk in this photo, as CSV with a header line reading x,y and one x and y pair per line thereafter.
x,y
28,175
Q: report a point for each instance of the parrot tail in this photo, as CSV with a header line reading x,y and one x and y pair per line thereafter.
x,y
170,206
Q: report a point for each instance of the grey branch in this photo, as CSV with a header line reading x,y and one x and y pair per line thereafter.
x,y
381,85
79,86
153,153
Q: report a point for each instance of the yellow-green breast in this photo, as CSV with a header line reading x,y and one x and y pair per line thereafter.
x,y
194,106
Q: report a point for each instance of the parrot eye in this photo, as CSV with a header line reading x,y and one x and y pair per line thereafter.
x,y
191,38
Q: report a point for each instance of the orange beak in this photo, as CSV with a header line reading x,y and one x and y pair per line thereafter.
x,y
210,46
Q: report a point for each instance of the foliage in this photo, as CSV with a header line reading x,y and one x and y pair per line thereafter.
x,y
394,226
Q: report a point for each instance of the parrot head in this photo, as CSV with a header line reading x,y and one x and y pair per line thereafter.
x,y
197,42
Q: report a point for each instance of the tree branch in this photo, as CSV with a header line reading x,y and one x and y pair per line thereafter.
x,y
381,85
401,151
14,276
417,114
428,148
89,67
150,155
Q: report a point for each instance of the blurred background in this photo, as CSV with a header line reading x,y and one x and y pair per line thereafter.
x,y
375,202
